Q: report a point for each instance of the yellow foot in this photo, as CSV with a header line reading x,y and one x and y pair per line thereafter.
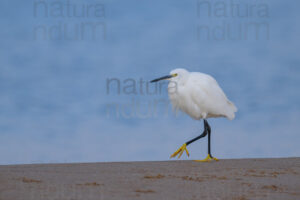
x,y
208,159
180,151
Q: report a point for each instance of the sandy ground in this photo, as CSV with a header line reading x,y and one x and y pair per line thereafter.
x,y
239,179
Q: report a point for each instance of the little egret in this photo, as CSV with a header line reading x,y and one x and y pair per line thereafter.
x,y
200,96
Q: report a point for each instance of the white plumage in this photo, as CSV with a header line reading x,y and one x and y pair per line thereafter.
x,y
199,95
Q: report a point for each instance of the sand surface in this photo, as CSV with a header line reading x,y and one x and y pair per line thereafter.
x,y
238,179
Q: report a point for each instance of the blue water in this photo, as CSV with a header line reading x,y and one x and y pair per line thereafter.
x,y
54,103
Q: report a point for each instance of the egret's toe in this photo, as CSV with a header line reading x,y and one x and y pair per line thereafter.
x,y
208,159
180,151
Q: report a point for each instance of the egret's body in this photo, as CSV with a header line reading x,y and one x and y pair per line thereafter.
x,y
200,96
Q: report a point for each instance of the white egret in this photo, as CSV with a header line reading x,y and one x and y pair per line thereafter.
x,y
200,96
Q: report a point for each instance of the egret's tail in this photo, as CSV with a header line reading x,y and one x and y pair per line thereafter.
x,y
231,110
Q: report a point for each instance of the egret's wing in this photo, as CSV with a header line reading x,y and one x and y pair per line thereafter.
x,y
209,96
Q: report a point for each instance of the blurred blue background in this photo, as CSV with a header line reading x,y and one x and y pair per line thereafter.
x,y
56,105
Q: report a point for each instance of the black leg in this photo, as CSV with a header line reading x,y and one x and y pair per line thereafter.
x,y
205,132
208,145
208,133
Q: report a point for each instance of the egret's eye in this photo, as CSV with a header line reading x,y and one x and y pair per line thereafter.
x,y
175,74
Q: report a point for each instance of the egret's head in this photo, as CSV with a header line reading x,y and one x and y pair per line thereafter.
x,y
175,75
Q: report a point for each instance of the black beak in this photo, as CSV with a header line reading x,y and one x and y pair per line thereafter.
x,y
161,78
